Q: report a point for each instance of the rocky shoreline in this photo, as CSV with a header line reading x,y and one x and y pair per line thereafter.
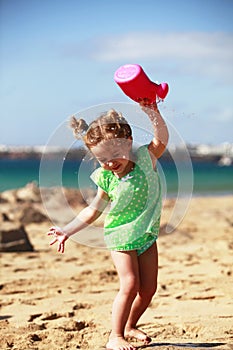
x,y
197,153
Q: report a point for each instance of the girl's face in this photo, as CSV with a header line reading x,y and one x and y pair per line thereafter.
x,y
114,155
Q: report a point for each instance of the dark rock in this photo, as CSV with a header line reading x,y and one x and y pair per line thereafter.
x,y
31,214
13,238
5,217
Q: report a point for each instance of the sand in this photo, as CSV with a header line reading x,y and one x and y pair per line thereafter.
x,y
54,301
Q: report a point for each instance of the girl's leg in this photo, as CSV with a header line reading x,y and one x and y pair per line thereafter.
x,y
148,272
127,267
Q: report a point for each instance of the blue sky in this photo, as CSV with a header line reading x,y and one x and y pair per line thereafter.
x,y
58,57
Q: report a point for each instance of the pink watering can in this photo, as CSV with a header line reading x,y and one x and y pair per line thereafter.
x,y
135,84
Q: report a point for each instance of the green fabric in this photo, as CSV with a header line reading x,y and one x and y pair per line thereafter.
x,y
134,217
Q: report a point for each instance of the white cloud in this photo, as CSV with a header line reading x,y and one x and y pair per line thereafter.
x,y
206,53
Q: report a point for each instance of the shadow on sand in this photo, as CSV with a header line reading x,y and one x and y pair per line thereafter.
x,y
183,345
5,317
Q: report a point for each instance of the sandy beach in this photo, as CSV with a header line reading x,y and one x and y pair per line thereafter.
x,y
53,301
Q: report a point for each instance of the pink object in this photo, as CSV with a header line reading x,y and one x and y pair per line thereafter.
x,y
135,84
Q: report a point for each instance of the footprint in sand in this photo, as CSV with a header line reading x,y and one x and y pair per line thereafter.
x,y
35,337
51,316
33,317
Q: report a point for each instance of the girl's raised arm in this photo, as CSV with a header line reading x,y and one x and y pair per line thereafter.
x,y
160,140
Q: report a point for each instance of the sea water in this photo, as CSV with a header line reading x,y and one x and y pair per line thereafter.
x,y
208,178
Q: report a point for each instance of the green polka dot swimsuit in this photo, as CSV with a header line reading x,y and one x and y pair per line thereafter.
x,y
134,217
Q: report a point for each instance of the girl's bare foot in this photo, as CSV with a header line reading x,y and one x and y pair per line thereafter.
x,y
137,334
119,343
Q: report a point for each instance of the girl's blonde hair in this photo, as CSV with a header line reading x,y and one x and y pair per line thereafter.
x,y
109,125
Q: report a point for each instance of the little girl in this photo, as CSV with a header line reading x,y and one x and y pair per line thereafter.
x,y
130,181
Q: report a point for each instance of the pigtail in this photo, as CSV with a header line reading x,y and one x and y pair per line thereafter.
x,y
79,127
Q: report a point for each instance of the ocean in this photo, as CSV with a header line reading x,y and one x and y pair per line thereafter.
x,y
208,178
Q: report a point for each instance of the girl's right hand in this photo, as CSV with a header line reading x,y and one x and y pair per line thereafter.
x,y
145,104
59,236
